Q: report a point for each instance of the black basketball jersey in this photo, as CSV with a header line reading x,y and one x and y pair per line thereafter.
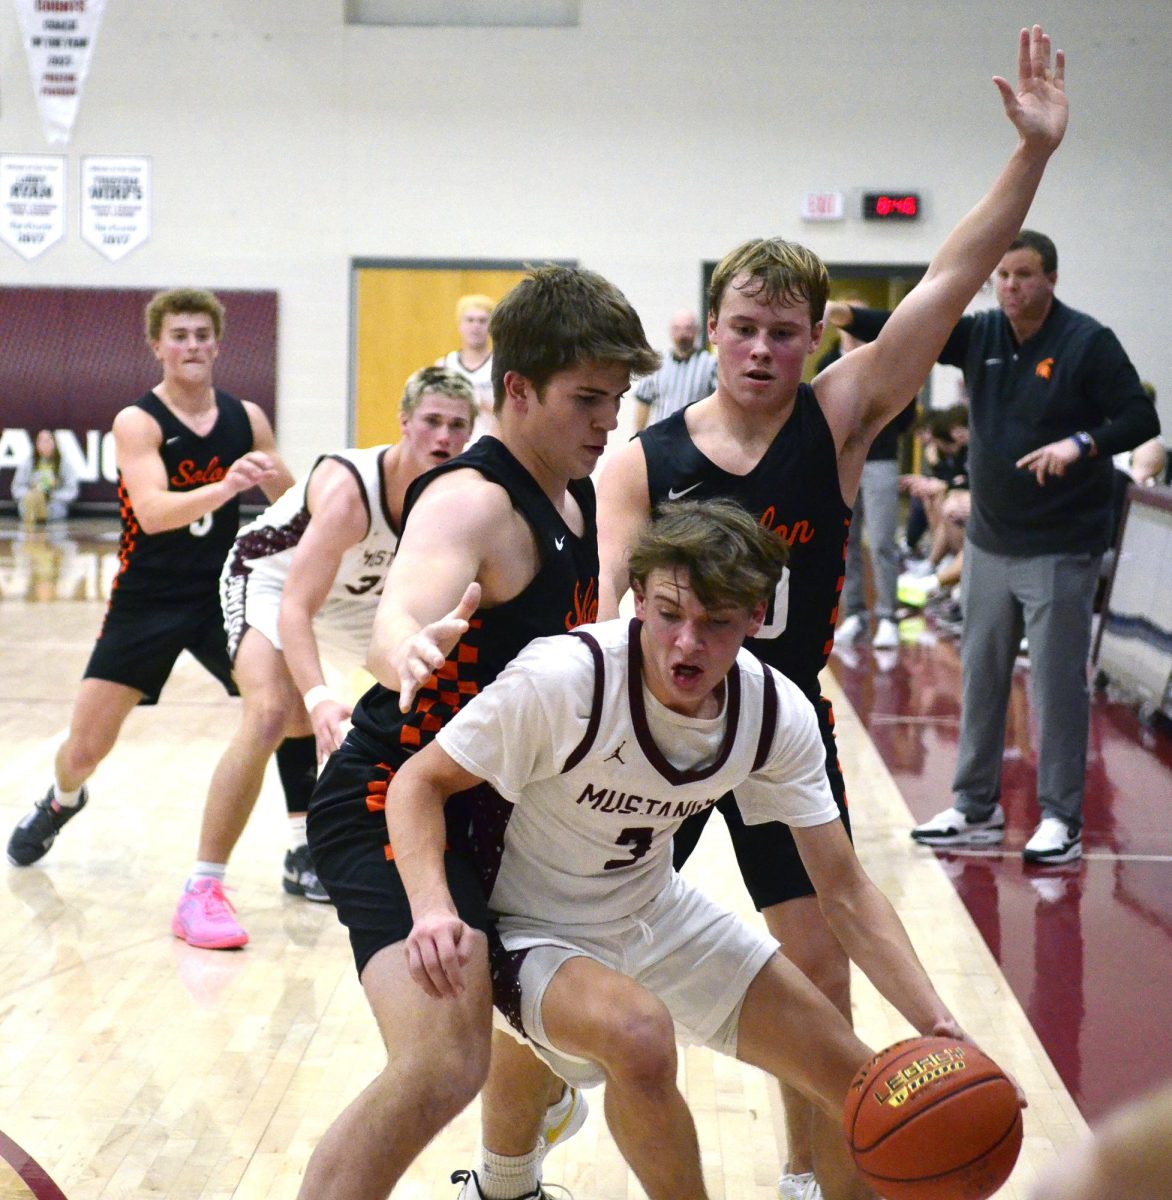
x,y
562,595
185,562
794,491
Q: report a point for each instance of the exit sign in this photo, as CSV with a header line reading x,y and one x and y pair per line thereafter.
x,y
822,206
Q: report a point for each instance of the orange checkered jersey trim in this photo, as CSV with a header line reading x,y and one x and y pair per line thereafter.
x,y
376,801
440,697
131,531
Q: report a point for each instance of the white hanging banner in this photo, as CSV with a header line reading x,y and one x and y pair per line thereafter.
x,y
32,202
59,38
115,204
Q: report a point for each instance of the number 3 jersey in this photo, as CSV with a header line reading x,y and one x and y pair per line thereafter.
x,y
264,550
593,775
184,563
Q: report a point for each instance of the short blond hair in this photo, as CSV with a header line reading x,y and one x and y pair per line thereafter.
x,y
780,272
473,300
439,380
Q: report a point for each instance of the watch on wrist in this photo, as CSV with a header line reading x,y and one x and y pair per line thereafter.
x,y
1085,443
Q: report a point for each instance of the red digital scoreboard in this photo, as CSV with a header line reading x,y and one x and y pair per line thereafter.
x,y
891,206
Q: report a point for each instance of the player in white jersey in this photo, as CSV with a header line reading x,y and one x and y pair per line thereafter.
x,y
304,577
596,745
474,358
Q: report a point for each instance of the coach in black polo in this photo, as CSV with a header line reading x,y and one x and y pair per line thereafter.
x,y
1053,396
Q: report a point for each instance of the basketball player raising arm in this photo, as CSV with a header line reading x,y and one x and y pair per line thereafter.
x,y
793,455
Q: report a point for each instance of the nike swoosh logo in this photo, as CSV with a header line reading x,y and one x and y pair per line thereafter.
x,y
559,542
992,362
672,494
172,441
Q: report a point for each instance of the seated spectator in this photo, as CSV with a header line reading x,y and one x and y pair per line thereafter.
x,y
945,497
45,484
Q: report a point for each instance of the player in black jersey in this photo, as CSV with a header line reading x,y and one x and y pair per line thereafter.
x,y
185,452
793,454
497,547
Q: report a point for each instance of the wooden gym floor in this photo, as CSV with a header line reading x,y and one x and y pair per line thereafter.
x,y
132,1065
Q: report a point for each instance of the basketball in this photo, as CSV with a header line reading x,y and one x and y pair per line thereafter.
x,y
933,1118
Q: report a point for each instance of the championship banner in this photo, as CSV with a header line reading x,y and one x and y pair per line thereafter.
x,y
32,202
115,204
59,38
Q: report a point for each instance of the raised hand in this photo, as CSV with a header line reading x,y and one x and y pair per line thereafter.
x,y
424,653
1038,109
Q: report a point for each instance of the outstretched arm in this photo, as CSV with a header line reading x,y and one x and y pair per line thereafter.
x,y
865,389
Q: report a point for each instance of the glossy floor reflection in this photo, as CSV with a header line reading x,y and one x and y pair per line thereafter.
x,y
1087,948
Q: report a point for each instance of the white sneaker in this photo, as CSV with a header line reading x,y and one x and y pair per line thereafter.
x,y
1054,841
470,1189
799,1187
952,828
849,631
887,635
564,1118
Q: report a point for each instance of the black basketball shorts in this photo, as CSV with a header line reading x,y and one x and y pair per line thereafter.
x,y
352,855
141,639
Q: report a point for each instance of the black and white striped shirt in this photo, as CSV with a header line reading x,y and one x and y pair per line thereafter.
x,y
677,384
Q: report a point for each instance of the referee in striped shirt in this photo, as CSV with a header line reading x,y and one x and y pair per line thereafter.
x,y
688,373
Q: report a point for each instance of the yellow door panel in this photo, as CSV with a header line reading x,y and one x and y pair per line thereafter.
x,y
404,319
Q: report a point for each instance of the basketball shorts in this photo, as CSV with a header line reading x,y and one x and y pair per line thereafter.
x,y
696,956
767,854
251,599
140,641
347,833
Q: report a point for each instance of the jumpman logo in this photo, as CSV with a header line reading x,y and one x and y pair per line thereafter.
x,y
616,754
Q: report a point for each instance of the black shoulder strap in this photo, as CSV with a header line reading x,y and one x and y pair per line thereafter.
x,y
580,751
768,717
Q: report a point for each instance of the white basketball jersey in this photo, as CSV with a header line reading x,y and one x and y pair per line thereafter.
x,y
266,545
597,775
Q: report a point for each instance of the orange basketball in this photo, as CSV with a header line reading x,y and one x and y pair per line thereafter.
x,y
933,1119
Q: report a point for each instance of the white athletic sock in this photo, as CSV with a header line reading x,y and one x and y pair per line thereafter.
x,y
506,1178
66,799
207,870
297,836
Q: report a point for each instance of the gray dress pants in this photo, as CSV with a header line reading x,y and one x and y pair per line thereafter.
x,y
878,506
1051,597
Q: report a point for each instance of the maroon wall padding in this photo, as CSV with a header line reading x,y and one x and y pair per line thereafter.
x,y
70,358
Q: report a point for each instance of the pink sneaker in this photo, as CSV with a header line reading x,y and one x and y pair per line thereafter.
x,y
204,917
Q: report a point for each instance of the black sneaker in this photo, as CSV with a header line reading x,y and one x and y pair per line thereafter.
x,y
35,833
301,879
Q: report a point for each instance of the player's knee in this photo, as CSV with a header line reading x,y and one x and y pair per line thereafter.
x,y
267,718
450,1079
641,1048
84,750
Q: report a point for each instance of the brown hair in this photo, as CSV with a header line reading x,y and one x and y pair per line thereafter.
x,y
730,558
182,300
559,317
783,273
